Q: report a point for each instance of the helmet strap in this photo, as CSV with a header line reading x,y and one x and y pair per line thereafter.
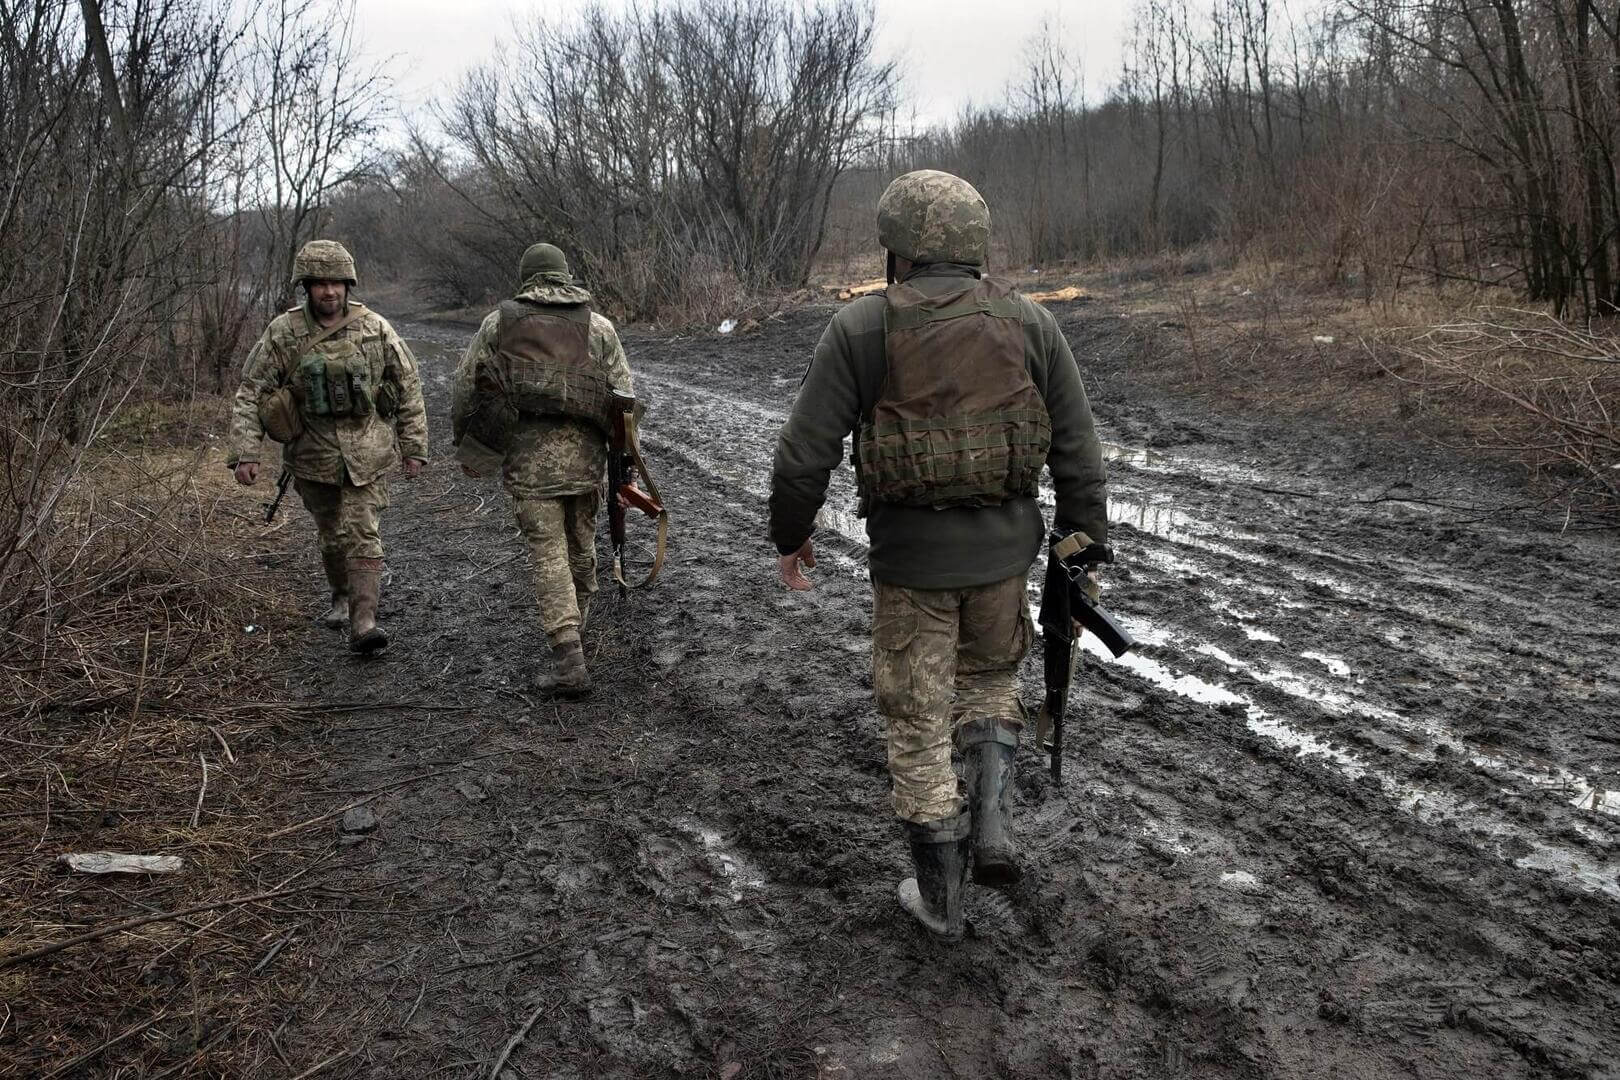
x,y
888,268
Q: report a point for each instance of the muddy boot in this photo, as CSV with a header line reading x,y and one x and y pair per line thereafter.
x,y
568,677
939,851
365,583
337,576
987,766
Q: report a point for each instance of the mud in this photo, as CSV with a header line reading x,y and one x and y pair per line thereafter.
x,y
1349,812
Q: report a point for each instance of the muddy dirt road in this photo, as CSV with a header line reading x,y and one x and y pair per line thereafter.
x,y
1344,815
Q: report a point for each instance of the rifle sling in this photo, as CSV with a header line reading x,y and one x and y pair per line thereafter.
x,y
632,446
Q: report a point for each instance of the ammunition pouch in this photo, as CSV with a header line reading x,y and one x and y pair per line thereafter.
x,y
279,415
337,381
959,421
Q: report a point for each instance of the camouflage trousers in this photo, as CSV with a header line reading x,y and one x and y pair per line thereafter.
x,y
562,551
346,516
942,658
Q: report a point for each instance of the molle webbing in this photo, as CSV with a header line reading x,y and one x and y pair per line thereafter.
x,y
959,422
545,355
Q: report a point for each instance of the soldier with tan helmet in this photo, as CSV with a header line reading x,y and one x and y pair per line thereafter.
x,y
957,391
333,382
531,400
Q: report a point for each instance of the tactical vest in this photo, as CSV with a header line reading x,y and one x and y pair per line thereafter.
x,y
958,422
335,376
544,351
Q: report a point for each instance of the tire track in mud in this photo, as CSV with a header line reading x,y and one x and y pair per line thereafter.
x,y
1305,711
693,872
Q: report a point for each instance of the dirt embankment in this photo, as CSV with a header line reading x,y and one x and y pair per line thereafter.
x,y
1344,815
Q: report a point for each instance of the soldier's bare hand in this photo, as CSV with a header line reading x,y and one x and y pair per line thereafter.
x,y
787,567
413,467
246,473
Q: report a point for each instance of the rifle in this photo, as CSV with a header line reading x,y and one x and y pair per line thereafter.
x,y
624,463
273,505
1067,606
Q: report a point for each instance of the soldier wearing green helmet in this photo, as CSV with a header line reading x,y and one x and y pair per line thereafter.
x,y
333,382
958,392
531,401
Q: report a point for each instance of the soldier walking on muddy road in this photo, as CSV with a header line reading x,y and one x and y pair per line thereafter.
x,y
532,397
333,383
957,391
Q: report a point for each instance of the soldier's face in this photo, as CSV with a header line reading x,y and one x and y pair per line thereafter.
x,y
326,297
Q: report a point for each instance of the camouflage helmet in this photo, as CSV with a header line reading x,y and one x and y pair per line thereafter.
x,y
323,260
929,216
542,259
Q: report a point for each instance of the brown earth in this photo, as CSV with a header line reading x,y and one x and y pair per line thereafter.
x,y
1344,815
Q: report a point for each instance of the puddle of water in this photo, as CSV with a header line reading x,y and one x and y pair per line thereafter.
x,y
754,440
1333,663
1241,881
732,867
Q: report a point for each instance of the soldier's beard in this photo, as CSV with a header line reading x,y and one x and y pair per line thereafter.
x,y
326,307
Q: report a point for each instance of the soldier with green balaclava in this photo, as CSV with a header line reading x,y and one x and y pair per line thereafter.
x,y
335,385
532,400
957,391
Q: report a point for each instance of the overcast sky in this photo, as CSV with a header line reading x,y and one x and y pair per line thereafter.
x,y
953,51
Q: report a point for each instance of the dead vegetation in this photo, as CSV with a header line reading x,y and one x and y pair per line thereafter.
x,y
1561,384
138,715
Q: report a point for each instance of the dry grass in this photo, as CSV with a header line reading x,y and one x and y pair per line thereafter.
x,y
1458,367
131,675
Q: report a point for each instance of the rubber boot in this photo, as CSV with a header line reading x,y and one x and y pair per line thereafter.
x,y
988,751
568,677
365,584
337,576
939,851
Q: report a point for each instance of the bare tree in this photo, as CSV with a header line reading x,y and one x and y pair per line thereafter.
x,y
316,109
677,146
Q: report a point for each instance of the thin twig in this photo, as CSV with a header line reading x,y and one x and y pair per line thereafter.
x,y
333,1060
128,1033
197,812
495,1071
130,924
134,715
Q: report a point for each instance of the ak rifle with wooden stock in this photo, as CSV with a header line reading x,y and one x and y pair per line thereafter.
x,y
625,464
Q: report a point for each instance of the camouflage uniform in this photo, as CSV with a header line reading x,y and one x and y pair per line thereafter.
x,y
555,466
950,621
339,462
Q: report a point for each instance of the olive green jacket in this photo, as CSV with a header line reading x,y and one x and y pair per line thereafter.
x,y
550,456
333,448
921,547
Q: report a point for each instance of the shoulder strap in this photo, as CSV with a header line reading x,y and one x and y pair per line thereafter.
x,y
327,331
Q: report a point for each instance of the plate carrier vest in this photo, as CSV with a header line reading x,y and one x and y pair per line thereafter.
x,y
544,351
959,421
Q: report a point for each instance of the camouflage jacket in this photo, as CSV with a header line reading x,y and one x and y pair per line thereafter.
x,y
550,456
332,449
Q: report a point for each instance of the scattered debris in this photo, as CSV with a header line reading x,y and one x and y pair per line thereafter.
x,y
109,862
1323,339
1068,292
359,819
727,326
862,288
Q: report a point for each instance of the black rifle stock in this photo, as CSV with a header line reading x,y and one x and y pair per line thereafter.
x,y
1065,605
273,505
